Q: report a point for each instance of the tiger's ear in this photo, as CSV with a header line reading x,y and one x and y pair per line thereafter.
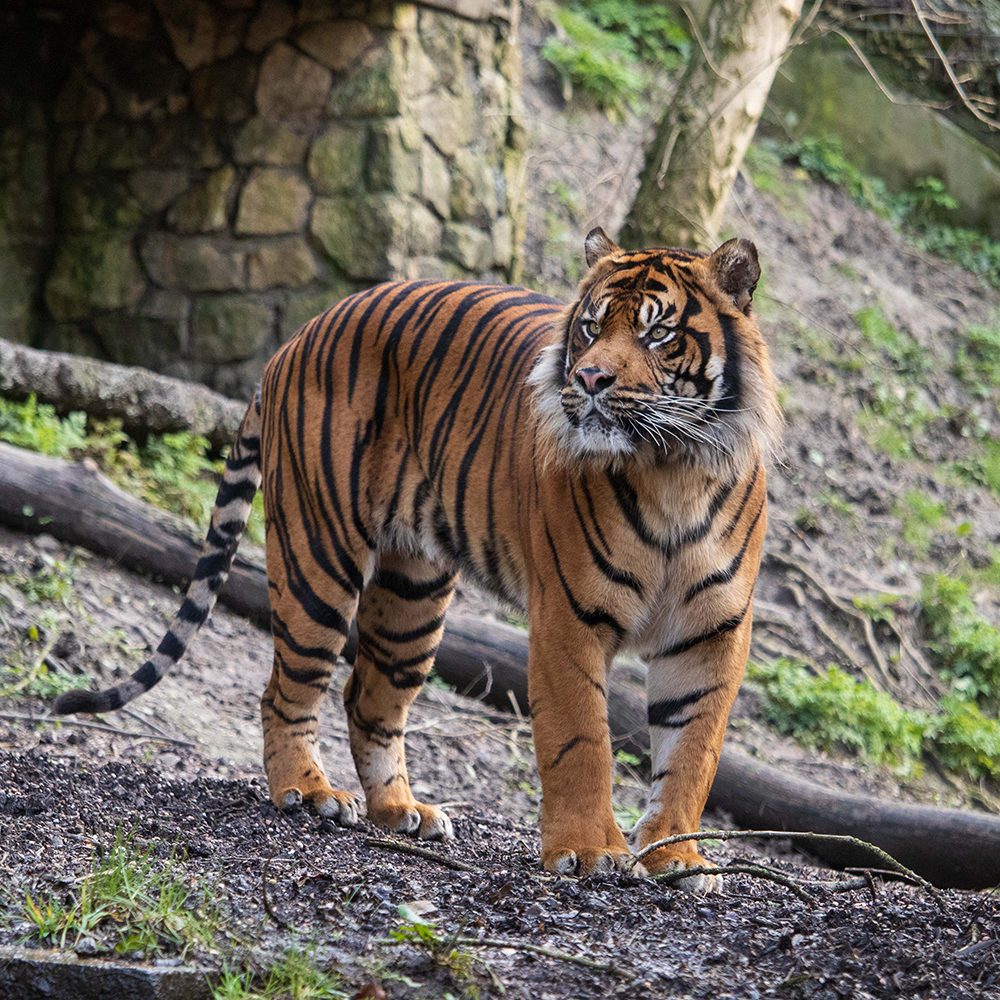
x,y
737,271
597,245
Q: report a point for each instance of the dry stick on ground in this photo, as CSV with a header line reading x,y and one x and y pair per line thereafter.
x,y
264,897
887,858
757,871
421,852
62,720
537,949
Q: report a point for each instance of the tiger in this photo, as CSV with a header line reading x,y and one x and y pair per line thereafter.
x,y
599,466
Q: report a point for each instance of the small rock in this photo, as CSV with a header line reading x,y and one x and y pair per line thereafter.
x,y
46,543
87,947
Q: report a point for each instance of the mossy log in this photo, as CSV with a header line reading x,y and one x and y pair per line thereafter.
x,y
488,660
145,403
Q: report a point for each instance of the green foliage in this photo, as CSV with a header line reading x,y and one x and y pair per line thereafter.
x,y
983,467
903,351
606,49
295,976
965,740
422,934
833,710
176,472
141,904
920,516
964,645
37,428
916,212
26,667
894,419
977,361
877,607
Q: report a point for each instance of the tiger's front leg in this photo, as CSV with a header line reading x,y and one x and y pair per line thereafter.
x,y
567,669
690,691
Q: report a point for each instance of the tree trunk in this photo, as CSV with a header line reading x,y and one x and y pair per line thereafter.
x,y
145,403
488,660
700,142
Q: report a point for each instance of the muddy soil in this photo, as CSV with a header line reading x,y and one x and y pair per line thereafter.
x,y
342,889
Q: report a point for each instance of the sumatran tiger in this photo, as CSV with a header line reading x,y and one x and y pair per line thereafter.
x,y
599,465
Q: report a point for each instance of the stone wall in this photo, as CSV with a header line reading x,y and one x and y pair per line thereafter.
x,y
212,174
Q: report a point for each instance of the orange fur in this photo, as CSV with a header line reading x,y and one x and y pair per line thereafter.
x,y
422,429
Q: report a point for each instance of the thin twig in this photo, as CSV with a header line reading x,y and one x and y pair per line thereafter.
x,y
562,956
59,720
829,838
758,871
267,902
420,852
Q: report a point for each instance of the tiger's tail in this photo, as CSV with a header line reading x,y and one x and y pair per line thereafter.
x,y
239,485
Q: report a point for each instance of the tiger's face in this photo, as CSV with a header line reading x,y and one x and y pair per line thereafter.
x,y
660,356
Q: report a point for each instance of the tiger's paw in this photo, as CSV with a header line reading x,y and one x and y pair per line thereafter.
x,y
338,807
663,861
590,861
426,822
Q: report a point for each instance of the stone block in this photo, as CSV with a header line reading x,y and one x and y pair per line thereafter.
x,y
262,140
225,91
136,77
273,21
229,328
284,263
94,203
338,45
204,207
389,165
291,85
359,233
448,120
139,340
503,241
156,189
273,201
337,158
474,188
193,263
80,99
121,20
193,30
372,90
93,271
468,246
302,306
435,180
36,974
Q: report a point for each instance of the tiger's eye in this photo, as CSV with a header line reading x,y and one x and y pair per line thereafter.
x,y
591,328
661,334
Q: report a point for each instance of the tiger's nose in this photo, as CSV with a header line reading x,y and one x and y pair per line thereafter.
x,y
594,380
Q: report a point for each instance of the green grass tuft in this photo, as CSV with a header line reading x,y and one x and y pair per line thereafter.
x,y
138,902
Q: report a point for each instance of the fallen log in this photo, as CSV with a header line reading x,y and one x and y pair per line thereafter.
x,y
487,660
145,403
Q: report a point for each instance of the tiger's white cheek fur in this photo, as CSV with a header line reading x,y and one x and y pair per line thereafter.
x,y
555,427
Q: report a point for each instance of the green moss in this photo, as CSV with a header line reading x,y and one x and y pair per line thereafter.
x,y
977,361
905,354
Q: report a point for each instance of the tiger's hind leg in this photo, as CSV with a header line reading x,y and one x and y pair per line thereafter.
x,y
400,624
310,629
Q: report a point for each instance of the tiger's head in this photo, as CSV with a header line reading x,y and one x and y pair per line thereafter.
x,y
660,357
